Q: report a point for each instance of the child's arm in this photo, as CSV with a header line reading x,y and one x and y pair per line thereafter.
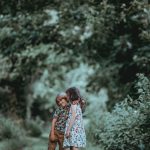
x,y
72,120
52,136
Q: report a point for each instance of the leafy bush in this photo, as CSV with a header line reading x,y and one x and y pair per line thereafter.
x,y
34,127
128,126
94,112
9,129
15,6
14,144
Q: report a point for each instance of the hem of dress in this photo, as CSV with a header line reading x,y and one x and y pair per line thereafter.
x,y
74,146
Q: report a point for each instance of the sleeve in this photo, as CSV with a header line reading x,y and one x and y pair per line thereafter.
x,y
56,113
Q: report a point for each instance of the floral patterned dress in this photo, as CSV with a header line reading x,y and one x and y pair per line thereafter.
x,y
77,136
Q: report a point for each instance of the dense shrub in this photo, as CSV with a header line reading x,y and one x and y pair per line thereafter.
x,y
9,129
127,126
14,144
34,127
15,6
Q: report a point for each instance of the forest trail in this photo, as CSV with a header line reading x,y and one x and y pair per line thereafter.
x,y
42,143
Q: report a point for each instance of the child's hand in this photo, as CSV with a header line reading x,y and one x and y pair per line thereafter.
x,y
67,133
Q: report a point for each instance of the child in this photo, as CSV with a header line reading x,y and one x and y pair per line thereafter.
x,y
74,132
58,122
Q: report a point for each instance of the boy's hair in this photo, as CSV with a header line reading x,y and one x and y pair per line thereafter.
x,y
74,94
59,96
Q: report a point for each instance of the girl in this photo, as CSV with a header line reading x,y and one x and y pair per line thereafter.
x,y
74,132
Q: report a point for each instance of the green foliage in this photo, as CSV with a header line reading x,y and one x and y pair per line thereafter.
x,y
33,127
24,5
125,52
9,129
103,18
48,45
127,126
14,144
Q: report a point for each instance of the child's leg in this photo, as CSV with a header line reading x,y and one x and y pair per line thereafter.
x,y
52,145
60,140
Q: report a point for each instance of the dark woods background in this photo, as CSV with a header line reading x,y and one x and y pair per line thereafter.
x,y
102,47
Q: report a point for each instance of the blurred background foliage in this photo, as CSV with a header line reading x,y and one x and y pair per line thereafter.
x,y
100,46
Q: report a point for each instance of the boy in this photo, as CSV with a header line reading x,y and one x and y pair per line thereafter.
x,y
59,122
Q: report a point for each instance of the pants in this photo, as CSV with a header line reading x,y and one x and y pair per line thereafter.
x,y
59,138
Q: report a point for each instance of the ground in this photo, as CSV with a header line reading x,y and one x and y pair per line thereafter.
x,y
40,143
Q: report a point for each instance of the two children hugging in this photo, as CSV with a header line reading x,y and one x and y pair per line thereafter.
x,y
67,128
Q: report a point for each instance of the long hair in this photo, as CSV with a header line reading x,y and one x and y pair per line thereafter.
x,y
74,94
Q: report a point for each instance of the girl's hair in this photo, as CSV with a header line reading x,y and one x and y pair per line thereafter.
x,y
74,94
60,96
